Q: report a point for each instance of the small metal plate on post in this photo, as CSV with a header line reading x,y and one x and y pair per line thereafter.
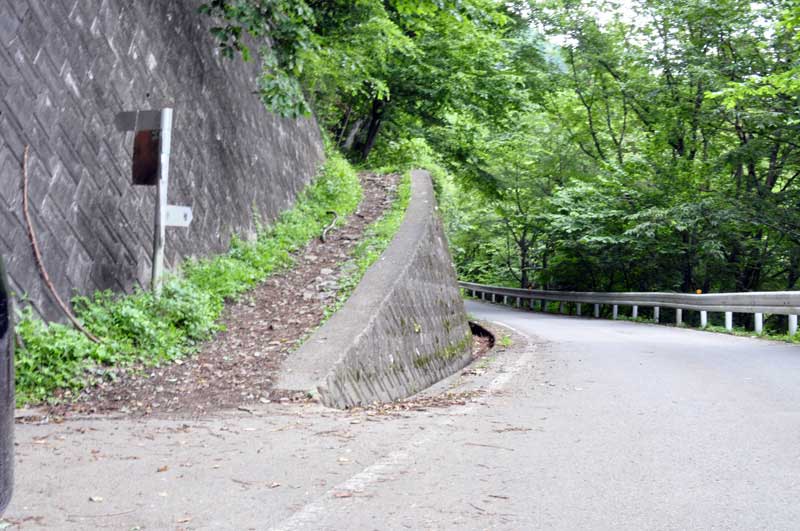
x,y
137,120
178,216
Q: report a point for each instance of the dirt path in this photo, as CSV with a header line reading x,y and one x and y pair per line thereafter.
x,y
237,367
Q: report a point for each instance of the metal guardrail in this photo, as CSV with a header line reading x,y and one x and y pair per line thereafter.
x,y
756,302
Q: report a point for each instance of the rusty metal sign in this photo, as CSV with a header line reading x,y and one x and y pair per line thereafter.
x,y
146,144
146,155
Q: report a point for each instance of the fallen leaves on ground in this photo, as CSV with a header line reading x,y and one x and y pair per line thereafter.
x,y
422,403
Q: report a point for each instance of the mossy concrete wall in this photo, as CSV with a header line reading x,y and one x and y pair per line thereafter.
x,y
404,327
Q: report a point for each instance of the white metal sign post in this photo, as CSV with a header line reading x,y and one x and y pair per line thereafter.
x,y
154,132
161,201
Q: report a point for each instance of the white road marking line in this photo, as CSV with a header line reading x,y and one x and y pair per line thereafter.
x,y
310,515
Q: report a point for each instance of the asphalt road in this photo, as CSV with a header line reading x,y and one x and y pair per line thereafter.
x,y
606,425
580,424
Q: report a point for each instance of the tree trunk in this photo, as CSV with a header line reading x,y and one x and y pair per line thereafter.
x,y
351,136
545,257
749,278
686,269
375,120
523,267
794,270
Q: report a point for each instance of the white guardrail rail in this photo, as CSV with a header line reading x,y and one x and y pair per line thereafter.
x,y
755,302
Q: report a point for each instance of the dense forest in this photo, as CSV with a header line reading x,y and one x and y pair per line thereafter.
x,y
644,145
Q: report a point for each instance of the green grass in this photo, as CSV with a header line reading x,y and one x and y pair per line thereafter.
x,y
743,332
376,239
719,329
141,328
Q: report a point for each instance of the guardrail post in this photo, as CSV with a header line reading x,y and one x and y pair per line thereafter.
x,y
703,318
614,312
543,305
635,311
519,302
597,311
759,323
578,309
792,325
729,321
656,313
505,300
561,307
678,316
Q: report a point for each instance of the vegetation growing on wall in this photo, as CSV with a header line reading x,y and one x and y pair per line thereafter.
x,y
144,329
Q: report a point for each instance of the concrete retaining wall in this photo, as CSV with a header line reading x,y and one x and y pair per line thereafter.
x,y
404,327
66,68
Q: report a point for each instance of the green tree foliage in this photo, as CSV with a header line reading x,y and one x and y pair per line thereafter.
x,y
281,30
367,66
653,145
683,117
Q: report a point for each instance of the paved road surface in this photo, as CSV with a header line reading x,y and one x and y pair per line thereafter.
x,y
585,424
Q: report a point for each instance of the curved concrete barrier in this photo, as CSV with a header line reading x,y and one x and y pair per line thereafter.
x,y
404,327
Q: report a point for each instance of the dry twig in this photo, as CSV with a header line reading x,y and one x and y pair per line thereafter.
x,y
38,254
